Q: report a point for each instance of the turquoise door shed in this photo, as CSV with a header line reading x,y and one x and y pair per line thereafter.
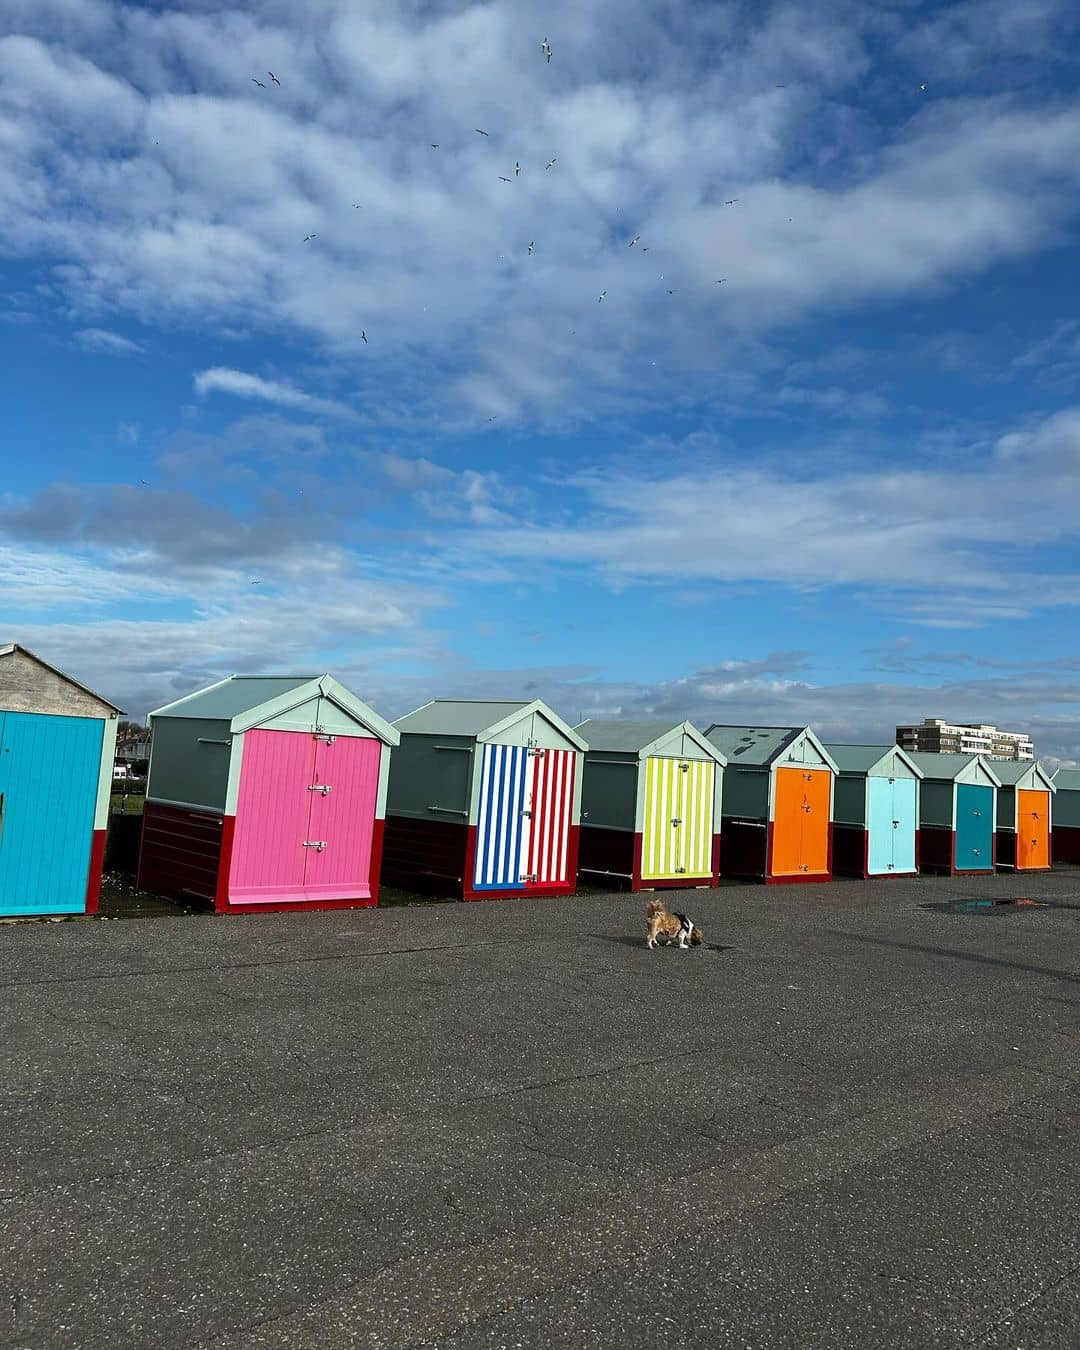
x,y
892,808
56,757
49,770
974,827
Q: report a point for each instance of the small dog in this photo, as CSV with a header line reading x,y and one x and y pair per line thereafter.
x,y
673,928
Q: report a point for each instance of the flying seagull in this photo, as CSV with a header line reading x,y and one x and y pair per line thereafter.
x,y
258,82
256,581
545,47
634,240
479,131
731,201
363,334
308,237
600,296
434,145
532,245
357,206
550,164
720,280
505,180
517,167
671,292
922,88
273,77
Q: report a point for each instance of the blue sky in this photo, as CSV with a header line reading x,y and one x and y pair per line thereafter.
x,y
813,457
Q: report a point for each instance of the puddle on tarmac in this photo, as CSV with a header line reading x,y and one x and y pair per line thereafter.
x,y
989,905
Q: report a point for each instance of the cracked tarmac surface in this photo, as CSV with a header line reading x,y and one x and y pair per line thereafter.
x,y
509,1124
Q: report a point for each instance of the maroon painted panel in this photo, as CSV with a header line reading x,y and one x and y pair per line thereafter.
x,y
850,844
937,849
428,856
1006,850
607,856
746,848
181,851
1066,843
93,880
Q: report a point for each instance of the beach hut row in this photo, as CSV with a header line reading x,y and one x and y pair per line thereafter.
x,y
270,792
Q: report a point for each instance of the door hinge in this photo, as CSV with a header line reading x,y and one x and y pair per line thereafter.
x,y
896,824
529,876
676,820
324,788
684,768
317,844
680,869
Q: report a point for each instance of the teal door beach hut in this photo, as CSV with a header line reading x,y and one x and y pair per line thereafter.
x,y
875,811
57,741
957,813
651,796
1066,831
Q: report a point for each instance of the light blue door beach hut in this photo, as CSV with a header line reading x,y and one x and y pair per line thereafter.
x,y
875,811
1066,832
57,741
957,813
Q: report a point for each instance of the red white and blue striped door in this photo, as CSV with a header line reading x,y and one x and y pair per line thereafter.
x,y
523,827
551,808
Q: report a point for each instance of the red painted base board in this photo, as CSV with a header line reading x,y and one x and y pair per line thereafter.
x,y
93,879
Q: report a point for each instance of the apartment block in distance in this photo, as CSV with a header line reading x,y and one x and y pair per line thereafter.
x,y
938,737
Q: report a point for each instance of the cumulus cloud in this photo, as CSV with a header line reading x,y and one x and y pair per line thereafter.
x,y
161,198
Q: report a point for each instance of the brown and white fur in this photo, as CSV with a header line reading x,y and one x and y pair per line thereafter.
x,y
674,929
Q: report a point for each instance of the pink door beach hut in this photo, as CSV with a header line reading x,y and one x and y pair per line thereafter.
x,y
57,741
651,798
484,801
266,792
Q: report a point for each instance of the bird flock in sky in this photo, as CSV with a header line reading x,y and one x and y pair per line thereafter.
x,y
547,52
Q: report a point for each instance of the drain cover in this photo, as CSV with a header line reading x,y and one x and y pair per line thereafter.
x,y
988,905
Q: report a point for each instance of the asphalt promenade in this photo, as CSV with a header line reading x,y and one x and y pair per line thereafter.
x,y
852,1119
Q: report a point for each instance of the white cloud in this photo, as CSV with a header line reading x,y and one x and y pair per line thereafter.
x,y
164,198
240,384
111,344
944,538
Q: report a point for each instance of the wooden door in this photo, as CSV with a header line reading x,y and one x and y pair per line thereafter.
x,y
49,771
269,857
550,805
678,820
800,844
502,830
344,791
1032,830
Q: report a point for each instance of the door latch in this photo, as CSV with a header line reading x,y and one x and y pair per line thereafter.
x,y
324,788
317,844
676,820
